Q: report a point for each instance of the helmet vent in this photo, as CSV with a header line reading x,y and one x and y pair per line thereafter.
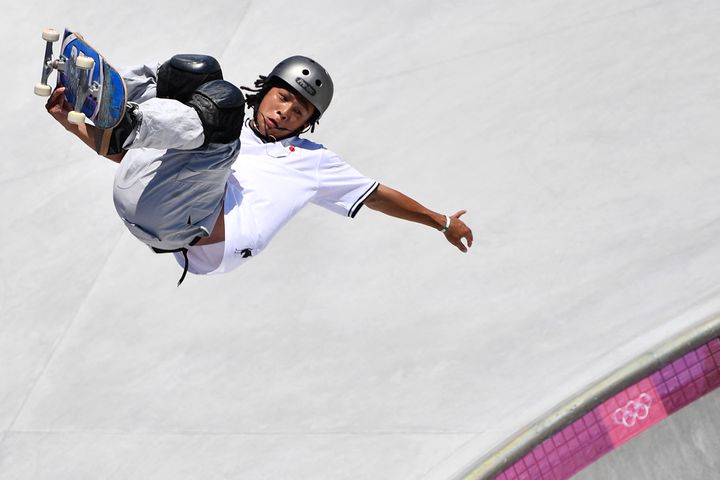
x,y
318,83
306,72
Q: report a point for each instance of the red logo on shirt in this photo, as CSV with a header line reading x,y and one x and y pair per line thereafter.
x,y
292,149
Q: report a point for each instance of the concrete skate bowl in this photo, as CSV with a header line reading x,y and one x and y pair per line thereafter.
x,y
655,418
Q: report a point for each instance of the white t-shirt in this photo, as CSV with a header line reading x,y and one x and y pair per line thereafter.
x,y
270,183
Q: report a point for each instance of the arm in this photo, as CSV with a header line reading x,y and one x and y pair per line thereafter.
x,y
59,108
140,82
166,123
396,204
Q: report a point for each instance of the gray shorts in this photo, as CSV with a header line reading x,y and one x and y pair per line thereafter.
x,y
169,198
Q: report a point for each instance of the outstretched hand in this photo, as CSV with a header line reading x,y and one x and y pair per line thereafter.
x,y
459,231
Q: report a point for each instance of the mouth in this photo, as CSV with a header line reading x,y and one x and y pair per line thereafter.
x,y
270,123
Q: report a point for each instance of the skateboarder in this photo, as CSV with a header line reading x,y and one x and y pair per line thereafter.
x,y
201,180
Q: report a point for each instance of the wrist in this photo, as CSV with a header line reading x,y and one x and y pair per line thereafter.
x,y
446,225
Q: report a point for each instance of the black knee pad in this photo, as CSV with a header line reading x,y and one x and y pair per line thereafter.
x,y
221,107
180,76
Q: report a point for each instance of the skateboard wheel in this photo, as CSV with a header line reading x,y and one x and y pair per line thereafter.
x,y
43,90
76,118
84,63
50,35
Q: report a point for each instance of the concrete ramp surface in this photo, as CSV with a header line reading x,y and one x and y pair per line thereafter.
x,y
581,136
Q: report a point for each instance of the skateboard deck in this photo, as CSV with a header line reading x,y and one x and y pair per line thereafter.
x,y
105,103
92,85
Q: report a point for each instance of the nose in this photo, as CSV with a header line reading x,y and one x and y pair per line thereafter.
x,y
282,110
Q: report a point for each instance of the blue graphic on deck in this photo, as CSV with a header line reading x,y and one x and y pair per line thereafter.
x,y
105,104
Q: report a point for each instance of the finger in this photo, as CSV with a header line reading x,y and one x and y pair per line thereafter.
x,y
469,238
58,94
456,240
459,214
51,100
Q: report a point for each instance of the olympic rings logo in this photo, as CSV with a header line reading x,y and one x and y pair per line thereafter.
x,y
634,410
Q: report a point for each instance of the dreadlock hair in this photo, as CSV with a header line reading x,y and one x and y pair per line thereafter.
x,y
262,85
254,98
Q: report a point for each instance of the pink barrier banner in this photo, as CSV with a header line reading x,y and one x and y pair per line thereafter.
x,y
622,417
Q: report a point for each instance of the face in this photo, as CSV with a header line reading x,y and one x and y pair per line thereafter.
x,y
282,112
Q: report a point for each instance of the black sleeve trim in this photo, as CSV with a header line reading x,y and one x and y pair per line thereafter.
x,y
361,201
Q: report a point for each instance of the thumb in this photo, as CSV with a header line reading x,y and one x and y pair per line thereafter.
x,y
459,214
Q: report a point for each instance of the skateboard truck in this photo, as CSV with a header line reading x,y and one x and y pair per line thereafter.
x,y
80,81
43,89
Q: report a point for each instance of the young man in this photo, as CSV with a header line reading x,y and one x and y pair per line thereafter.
x,y
194,182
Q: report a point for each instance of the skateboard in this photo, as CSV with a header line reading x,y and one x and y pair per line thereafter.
x,y
93,87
